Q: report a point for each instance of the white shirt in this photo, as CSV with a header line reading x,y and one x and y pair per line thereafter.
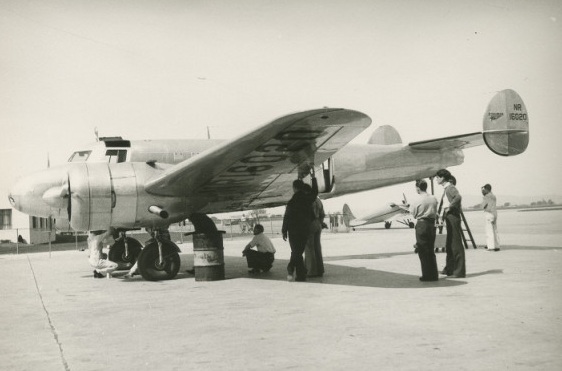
x,y
425,206
262,243
489,203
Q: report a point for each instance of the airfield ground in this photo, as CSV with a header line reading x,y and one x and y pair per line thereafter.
x,y
369,311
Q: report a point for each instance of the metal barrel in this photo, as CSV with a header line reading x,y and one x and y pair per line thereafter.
x,y
208,256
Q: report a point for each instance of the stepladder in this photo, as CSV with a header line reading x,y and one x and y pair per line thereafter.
x,y
441,234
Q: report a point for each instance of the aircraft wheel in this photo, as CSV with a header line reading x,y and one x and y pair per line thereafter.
x,y
387,225
117,253
149,262
411,224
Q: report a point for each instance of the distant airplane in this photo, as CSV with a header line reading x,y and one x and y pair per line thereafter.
x,y
128,185
387,214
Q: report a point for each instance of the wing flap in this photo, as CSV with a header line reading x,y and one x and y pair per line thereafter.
x,y
238,171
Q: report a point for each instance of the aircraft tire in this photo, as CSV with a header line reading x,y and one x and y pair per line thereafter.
x,y
117,253
387,225
411,224
149,266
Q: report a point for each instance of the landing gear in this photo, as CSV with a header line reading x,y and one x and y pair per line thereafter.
x,y
411,224
387,225
159,260
125,251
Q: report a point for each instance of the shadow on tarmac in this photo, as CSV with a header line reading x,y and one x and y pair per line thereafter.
x,y
236,268
491,271
532,248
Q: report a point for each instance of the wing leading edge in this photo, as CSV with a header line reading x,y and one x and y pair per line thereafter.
x,y
237,172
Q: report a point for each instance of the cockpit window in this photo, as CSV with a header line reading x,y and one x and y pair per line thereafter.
x,y
116,155
80,156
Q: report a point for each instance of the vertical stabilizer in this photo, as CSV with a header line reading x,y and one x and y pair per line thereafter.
x,y
347,215
506,124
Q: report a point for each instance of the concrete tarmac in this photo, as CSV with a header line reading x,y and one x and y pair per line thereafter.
x,y
369,311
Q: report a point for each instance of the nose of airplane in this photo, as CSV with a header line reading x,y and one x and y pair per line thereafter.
x,y
34,194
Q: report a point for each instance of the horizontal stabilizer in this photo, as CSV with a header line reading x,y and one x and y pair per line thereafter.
x,y
455,142
506,129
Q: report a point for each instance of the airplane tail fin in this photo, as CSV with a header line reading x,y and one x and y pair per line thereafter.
x,y
347,215
405,200
506,124
385,134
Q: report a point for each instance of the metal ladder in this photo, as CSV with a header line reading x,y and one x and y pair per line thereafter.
x,y
466,228
464,225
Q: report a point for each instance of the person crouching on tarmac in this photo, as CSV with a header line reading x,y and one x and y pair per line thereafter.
x,y
98,260
262,259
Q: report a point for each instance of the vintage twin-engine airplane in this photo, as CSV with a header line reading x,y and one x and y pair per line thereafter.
x,y
124,185
387,214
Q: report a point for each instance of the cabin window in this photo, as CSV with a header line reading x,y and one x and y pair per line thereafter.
x,y
116,155
80,156
6,219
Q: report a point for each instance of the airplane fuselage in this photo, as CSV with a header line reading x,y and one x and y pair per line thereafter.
x,y
102,186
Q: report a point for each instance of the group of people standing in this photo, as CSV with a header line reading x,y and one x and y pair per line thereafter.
x,y
426,210
302,225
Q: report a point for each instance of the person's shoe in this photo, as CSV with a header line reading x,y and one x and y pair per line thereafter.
x,y
459,276
497,249
97,274
423,279
108,276
290,278
444,272
254,271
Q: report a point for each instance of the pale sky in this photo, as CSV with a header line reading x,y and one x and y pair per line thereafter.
x,y
168,69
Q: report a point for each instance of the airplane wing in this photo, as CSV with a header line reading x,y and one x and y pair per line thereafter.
x,y
455,142
236,173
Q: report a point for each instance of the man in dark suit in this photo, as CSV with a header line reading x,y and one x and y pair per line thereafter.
x,y
296,224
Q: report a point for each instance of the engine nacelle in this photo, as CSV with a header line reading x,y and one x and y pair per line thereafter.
x,y
104,195
91,196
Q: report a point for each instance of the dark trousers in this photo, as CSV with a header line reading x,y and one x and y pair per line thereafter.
x,y
313,260
297,240
425,241
259,260
454,247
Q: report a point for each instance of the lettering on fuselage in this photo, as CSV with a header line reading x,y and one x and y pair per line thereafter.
x,y
495,115
518,116
259,163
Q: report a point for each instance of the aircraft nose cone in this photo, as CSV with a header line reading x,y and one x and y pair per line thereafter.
x,y
26,195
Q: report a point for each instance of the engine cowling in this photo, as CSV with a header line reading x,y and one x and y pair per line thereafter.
x,y
90,202
106,195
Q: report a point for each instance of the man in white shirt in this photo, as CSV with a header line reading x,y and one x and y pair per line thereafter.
x,y
262,258
98,260
491,217
424,210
